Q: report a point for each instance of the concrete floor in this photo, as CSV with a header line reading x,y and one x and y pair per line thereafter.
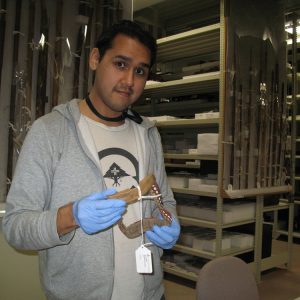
x,y
276,284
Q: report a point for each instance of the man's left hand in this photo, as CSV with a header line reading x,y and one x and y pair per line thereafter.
x,y
164,236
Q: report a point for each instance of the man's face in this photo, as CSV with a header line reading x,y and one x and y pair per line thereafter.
x,y
121,75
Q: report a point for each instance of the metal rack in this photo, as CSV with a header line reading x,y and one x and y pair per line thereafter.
x,y
200,41
294,118
207,82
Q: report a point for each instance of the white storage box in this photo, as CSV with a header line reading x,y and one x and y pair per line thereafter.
x,y
193,151
186,239
193,163
207,242
241,240
233,212
205,188
207,115
208,143
194,183
178,182
161,118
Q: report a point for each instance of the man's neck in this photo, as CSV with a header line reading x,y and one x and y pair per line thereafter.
x,y
85,110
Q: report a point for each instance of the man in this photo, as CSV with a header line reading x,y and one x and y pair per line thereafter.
x,y
77,156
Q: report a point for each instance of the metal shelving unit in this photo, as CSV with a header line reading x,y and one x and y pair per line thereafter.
x,y
211,224
188,122
200,42
191,156
183,166
174,107
207,82
210,255
293,79
179,272
199,192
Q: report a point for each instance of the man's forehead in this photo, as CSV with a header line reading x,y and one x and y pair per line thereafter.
x,y
123,45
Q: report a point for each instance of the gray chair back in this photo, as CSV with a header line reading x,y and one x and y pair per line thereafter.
x,y
226,278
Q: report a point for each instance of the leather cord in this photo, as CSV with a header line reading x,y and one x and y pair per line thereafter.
x,y
132,115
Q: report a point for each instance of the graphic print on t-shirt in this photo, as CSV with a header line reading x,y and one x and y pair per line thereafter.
x,y
119,161
120,168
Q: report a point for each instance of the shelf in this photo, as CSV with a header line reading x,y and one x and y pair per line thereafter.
x,y
210,255
290,46
289,77
238,223
174,108
289,156
201,41
175,270
274,260
195,252
190,156
183,166
196,222
210,224
296,177
196,192
286,201
177,16
290,97
187,122
284,232
202,83
278,207
297,118
236,194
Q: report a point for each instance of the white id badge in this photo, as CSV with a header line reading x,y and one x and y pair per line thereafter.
x,y
143,258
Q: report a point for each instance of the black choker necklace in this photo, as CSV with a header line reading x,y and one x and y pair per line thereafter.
x,y
96,112
133,116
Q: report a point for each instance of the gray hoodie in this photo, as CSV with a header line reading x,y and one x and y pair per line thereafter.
x,y
56,167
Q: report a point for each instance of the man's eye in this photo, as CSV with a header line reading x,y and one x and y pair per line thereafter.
x,y
120,64
140,71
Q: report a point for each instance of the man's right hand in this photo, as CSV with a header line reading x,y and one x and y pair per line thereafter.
x,y
95,212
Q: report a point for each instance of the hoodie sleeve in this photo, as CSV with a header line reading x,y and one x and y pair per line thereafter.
x,y
27,224
161,175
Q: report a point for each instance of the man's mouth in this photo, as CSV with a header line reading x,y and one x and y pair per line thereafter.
x,y
124,93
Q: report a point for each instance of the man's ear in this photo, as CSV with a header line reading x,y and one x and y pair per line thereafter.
x,y
94,59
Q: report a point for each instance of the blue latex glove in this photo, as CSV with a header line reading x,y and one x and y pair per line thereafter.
x,y
164,236
95,212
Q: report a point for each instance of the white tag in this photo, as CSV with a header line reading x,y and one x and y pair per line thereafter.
x,y
143,260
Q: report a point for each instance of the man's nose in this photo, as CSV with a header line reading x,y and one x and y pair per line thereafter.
x,y
129,78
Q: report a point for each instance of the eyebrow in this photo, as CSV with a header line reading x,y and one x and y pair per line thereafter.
x,y
126,58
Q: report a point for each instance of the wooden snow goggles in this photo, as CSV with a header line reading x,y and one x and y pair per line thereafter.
x,y
148,186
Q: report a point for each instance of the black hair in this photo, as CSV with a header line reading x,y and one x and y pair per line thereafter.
x,y
131,29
